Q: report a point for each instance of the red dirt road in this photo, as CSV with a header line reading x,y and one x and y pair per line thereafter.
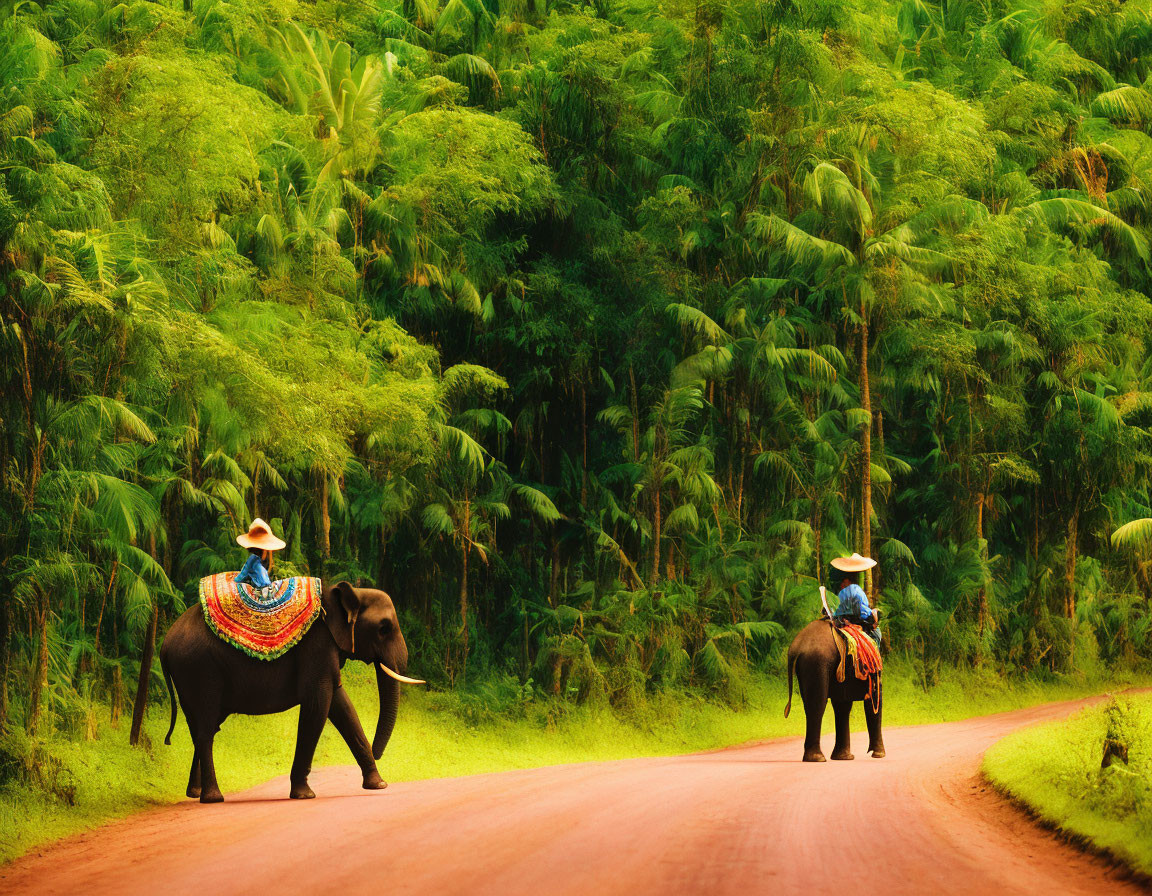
x,y
746,820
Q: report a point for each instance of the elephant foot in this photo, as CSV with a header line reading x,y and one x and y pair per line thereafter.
x,y
842,754
814,756
879,754
373,781
193,793
211,796
302,792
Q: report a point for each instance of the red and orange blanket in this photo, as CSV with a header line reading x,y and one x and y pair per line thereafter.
x,y
864,651
263,625
866,660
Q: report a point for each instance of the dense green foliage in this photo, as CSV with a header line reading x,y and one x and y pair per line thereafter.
x,y
1056,770
590,332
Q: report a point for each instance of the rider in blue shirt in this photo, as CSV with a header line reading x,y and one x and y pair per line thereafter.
x,y
853,601
260,543
253,571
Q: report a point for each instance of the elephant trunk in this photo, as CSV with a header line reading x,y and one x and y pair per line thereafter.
x,y
389,704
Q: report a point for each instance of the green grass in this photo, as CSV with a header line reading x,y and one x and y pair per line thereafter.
x,y
1055,770
492,728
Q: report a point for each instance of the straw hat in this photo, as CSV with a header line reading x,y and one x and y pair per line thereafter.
x,y
259,535
855,563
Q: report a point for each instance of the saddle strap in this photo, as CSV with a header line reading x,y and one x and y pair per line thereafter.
x,y
840,649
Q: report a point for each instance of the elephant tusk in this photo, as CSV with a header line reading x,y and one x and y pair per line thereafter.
x,y
403,679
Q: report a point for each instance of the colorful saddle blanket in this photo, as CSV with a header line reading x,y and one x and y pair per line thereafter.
x,y
264,624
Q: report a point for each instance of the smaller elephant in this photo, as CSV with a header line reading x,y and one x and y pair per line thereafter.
x,y
215,680
815,658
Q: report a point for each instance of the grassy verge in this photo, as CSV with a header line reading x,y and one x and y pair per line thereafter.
x,y
493,728
1055,769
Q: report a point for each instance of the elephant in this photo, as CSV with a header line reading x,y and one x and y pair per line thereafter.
x,y
214,680
814,657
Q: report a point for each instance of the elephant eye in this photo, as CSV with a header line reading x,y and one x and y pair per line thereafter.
x,y
386,625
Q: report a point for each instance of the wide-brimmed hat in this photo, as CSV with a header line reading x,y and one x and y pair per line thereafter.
x,y
855,563
259,535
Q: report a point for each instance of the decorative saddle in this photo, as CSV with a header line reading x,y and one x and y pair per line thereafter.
x,y
851,640
264,624
863,650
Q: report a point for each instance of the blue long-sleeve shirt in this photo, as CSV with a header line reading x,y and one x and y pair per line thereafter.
x,y
253,573
853,603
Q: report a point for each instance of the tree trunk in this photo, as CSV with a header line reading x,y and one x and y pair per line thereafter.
x,y
467,528
117,700
382,579
740,491
103,603
325,518
554,574
1070,566
816,536
583,444
5,655
635,415
464,613
141,702
865,452
40,673
983,614
525,659
1036,526
655,541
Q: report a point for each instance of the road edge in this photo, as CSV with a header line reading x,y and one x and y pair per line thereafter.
x,y
1125,869
1079,841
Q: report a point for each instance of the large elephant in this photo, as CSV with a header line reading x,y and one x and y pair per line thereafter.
x,y
815,658
215,680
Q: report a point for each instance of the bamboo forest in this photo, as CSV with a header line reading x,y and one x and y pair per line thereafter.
x,y
591,332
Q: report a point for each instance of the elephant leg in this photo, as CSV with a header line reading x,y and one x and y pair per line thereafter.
x,y
842,710
313,715
815,702
342,714
193,790
194,777
209,788
875,730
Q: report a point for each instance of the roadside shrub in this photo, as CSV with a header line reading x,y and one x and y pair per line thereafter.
x,y
25,763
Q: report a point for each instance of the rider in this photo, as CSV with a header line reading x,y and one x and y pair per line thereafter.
x,y
853,605
260,543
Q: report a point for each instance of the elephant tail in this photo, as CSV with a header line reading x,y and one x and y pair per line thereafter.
x,y
172,694
791,665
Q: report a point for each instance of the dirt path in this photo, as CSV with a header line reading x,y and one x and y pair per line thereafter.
x,y
746,820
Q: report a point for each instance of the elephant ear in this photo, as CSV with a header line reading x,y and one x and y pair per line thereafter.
x,y
341,617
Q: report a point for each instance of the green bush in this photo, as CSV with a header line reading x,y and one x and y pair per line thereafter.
x,y
1089,776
